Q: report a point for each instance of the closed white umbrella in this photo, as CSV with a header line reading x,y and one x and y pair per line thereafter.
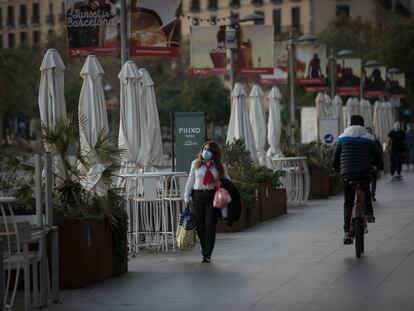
x,y
338,112
51,89
257,120
133,136
92,110
367,112
51,99
239,124
149,104
352,107
319,103
378,122
274,125
329,110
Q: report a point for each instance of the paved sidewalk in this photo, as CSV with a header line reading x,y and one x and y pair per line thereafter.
x,y
294,262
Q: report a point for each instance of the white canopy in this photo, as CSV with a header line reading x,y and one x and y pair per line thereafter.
x,y
239,124
92,108
352,107
133,136
274,124
51,89
257,120
338,112
149,104
319,103
366,112
328,107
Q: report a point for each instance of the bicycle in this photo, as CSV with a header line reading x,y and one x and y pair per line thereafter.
x,y
358,219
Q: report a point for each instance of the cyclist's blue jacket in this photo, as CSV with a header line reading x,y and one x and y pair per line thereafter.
x,y
355,152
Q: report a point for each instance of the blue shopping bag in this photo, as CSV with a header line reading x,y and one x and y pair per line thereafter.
x,y
186,238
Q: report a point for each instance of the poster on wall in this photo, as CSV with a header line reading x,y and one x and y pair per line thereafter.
x,y
396,85
154,28
348,79
311,64
254,49
208,50
91,26
374,81
281,65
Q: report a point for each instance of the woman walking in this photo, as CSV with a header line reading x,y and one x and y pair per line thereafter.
x,y
200,188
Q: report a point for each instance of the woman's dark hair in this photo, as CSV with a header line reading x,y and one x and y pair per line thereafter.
x,y
217,156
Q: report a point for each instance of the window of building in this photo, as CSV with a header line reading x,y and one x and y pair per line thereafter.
x,y
260,21
195,6
277,21
1,41
36,36
36,13
257,2
12,41
235,3
23,15
1,17
212,5
10,16
62,14
342,11
213,20
23,38
50,19
296,18
276,1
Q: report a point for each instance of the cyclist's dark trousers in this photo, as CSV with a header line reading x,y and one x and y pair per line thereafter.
x,y
349,195
395,162
374,183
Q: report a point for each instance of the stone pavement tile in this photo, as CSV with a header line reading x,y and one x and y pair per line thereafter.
x,y
181,306
387,305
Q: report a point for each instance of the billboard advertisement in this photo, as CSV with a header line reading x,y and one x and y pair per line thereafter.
x,y
154,28
281,66
208,50
254,49
91,26
348,78
396,85
311,64
374,81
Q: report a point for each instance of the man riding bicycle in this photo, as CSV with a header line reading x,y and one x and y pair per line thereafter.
x,y
355,152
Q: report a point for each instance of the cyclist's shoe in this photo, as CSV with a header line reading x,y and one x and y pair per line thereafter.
x,y
370,218
347,238
373,198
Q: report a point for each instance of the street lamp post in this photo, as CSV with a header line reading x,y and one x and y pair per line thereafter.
x,y
292,75
332,72
234,24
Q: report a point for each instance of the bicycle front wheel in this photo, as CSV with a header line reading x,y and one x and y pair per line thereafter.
x,y
359,236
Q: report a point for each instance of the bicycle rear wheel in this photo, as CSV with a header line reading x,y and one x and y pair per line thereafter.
x,y
359,236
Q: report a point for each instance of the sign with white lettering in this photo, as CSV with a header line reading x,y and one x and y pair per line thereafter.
x,y
190,135
91,26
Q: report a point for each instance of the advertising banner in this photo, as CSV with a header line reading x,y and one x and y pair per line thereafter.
x,y
155,27
374,82
91,26
281,66
255,49
208,50
190,134
348,76
311,64
396,86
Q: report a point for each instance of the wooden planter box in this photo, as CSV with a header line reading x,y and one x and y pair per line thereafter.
x,y
281,201
253,212
334,185
319,184
268,198
86,254
240,225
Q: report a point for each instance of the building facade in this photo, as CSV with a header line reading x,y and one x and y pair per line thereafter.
x,y
29,22
302,16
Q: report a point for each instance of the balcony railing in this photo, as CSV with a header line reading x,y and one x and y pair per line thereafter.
x,y
50,19
23,21
36,19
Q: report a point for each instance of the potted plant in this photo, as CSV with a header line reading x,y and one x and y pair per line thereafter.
x,y
92,225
